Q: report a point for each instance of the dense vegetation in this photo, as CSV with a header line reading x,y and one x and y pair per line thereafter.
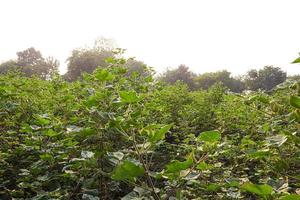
x,y
114,134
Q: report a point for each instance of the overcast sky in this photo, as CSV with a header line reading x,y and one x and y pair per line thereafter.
x,y
206,35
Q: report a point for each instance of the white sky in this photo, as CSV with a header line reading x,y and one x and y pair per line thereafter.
x,y
206,35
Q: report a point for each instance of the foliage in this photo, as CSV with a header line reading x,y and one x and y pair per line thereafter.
x,y
86,60
265,79
31,62
137,67
181,73
206,80
112,135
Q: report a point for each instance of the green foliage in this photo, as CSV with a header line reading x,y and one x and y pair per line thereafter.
x,y
157,135
114,135
207,80
181,73
30,62
129,96
295,101
260,190
296,60
210,136
265,79
127,171
291,197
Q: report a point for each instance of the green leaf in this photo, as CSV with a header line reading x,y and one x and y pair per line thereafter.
x,y
46,157
104,75
260,190
50,133
175,167
129,96
127,170
110,60
204,166
291,197
259,153
40,120
160,134
262,98
91,101
297,60
210,136
295,101
212,187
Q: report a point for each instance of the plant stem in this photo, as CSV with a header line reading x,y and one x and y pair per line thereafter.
x,y
150,182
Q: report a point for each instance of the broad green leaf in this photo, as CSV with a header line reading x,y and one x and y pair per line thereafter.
x,y
46,157
233,184
212,187
291,197
40,120
210,136
50,133
127,170
104,75
110,60
297,60
295,101
175,167
91,101
260,190
160,134
204,166
259,153
129,96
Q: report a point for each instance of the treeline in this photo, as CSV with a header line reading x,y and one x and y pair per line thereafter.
x,y
264,79
85,60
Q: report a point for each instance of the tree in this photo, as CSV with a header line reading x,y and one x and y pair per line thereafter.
x,y
181,73
29,57
207,80
88,59
31,62
294,77
266,78
140,67
8,66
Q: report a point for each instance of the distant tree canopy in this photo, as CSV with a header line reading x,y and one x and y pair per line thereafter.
x,y
206,80
88,59
181,73
265,79
140,67
31,62
294,77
